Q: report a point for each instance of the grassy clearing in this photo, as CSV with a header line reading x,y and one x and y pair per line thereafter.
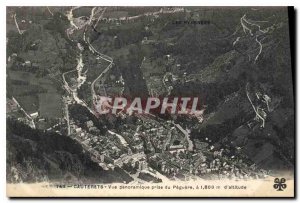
x,y
39,95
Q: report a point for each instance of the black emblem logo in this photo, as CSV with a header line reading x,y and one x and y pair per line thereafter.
x,y
279,184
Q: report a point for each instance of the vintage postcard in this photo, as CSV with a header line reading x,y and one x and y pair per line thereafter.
x,y
150,101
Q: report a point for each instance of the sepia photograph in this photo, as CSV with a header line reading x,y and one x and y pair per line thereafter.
x,y
150,101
